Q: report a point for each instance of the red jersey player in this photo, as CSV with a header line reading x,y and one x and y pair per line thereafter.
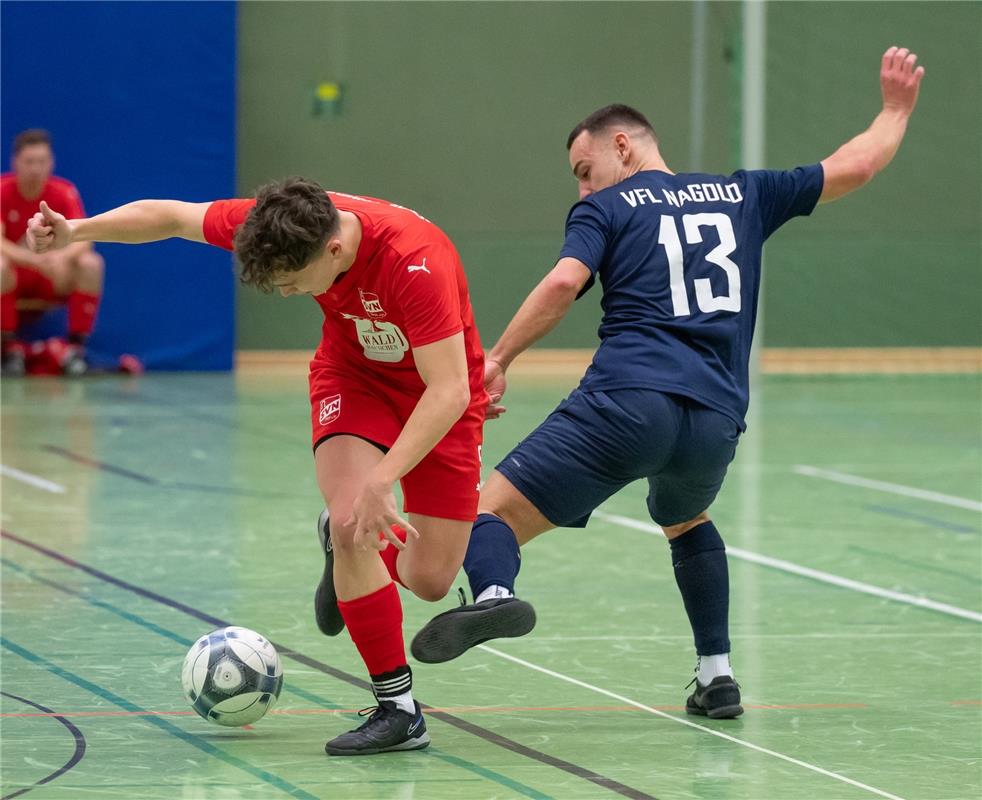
x,y
396,391
72,276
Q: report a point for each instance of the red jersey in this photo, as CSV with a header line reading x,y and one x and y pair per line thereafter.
x,y
406,288
59,194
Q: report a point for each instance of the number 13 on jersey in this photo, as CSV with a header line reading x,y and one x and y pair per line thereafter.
x,y
668,237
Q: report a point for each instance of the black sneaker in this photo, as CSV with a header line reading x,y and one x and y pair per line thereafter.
x,y
326,611
454,632
719,700
388,729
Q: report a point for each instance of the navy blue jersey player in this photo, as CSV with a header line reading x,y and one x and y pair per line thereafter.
x,y
678,257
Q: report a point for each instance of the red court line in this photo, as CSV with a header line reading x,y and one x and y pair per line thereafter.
x,y
966,702
449,710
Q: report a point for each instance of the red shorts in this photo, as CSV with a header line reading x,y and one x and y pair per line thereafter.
x,y
446,483
34,284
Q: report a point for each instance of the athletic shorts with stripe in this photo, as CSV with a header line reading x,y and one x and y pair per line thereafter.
x,y
595,443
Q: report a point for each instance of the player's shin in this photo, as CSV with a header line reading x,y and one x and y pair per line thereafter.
x,y
699,560
8,313
493,559
82,309
375,624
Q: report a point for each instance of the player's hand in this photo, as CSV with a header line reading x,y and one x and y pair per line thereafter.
x,y
373,515
900,81
48,230
495,385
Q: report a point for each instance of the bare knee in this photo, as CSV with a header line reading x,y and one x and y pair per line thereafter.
x,y
674,531
89,269
500,498
430,585
342,536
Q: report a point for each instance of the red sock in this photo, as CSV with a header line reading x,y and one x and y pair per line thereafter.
x,y
8,312
375,624
82,308
390,554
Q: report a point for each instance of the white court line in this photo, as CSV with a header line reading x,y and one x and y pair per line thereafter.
x,y
687,637
892,488
32,480
686,722
808,572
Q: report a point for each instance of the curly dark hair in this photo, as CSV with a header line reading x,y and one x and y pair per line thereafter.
x,y
286,230
609,117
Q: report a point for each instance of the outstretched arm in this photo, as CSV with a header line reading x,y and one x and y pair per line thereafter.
x,y
539,314
541,311
858,160
134,223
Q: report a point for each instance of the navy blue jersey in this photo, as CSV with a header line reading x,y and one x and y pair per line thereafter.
x,y
678,257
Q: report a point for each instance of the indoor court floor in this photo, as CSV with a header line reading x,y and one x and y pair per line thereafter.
x,y
140,513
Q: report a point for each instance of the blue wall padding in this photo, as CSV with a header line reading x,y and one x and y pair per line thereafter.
x,y
140,100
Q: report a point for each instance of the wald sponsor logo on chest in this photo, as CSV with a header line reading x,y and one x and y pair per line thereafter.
x,y
380,340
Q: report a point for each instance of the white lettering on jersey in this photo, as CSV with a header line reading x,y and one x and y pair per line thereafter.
x,y
704,193
637,197
668,237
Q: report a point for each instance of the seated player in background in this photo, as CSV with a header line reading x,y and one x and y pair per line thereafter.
x,y
678,257
396,393
72,276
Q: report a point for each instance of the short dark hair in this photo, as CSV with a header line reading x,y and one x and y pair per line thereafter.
x,y
29,137
286,230
608,117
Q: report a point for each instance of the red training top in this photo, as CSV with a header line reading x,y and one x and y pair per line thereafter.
x,y
406,288
59,194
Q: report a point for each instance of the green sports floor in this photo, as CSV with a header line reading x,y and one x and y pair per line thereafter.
x,y
139,513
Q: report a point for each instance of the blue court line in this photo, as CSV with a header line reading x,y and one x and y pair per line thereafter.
x,y
345,677
76,756
488,774
932,521
149,480
163,724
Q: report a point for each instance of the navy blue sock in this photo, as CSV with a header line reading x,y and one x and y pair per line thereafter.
x,y
699,558
492,555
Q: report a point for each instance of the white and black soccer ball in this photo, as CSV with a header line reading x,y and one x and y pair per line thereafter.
x,y
232,676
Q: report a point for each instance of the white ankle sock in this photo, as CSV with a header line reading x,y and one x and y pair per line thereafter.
x,y
493,592
709,667
404,701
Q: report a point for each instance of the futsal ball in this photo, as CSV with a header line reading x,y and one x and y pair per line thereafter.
x,y
232,676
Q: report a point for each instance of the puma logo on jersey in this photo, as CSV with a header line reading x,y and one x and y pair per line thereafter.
x,y
418,267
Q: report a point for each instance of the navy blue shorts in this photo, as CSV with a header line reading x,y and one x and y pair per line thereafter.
x,y
595,443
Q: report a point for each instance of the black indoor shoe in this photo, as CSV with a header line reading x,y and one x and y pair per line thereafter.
x,y
454,632
326,611
719,700
388,729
